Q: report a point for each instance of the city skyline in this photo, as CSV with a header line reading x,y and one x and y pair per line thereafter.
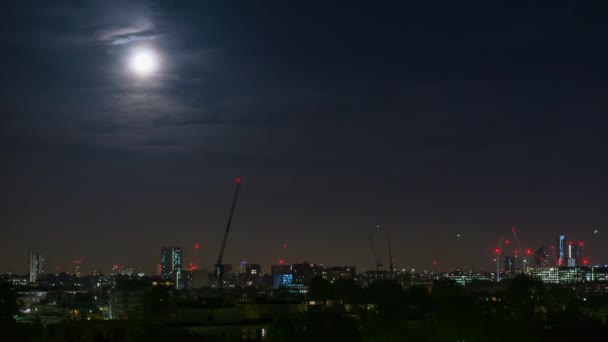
x,y
123,126
193,256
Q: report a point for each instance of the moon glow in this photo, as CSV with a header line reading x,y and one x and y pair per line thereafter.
x,y
143,62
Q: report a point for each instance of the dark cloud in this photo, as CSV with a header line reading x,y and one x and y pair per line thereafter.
x,y
429,116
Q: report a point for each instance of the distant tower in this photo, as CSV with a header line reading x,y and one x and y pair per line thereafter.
x,y
561,250
541,257
171,264
570,255
36,266
77,264
509,265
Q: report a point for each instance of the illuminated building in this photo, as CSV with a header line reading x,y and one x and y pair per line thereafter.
x,y
570,262
253,269
466,277
282,280
561,250
36,266
171,264
281,275
297,288
304,272
548,275
342,272
252,275
599,273
573,275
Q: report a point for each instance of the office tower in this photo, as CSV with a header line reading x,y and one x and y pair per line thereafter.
x,y
541,258
171,264
36,266
561,250
570,255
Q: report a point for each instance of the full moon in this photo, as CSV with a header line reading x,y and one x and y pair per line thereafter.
x,y
143,62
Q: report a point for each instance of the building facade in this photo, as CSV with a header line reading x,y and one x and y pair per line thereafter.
x,y
561,250
171,264
36,266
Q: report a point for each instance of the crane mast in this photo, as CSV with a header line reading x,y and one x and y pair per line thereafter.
x,y
390,254
219,271
498,259
521,252
377,260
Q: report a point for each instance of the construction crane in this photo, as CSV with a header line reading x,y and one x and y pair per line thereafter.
x,y
219,271
497,252
390,254
521,252
377,259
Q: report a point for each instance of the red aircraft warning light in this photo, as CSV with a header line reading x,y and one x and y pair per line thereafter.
x,y
580,243
281,261
585,262
496,250
528,251
507,242
238,180
197,246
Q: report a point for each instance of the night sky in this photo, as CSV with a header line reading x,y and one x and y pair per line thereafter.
x,y
430,119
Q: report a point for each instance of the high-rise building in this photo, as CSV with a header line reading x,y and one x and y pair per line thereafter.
x,y
561,250
171,264
36,266
541,258
570,255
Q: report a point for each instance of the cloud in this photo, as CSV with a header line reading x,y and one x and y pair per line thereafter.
x,y
131,39
120,35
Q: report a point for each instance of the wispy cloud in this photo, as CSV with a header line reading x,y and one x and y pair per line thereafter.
x,y
131,39
120,35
